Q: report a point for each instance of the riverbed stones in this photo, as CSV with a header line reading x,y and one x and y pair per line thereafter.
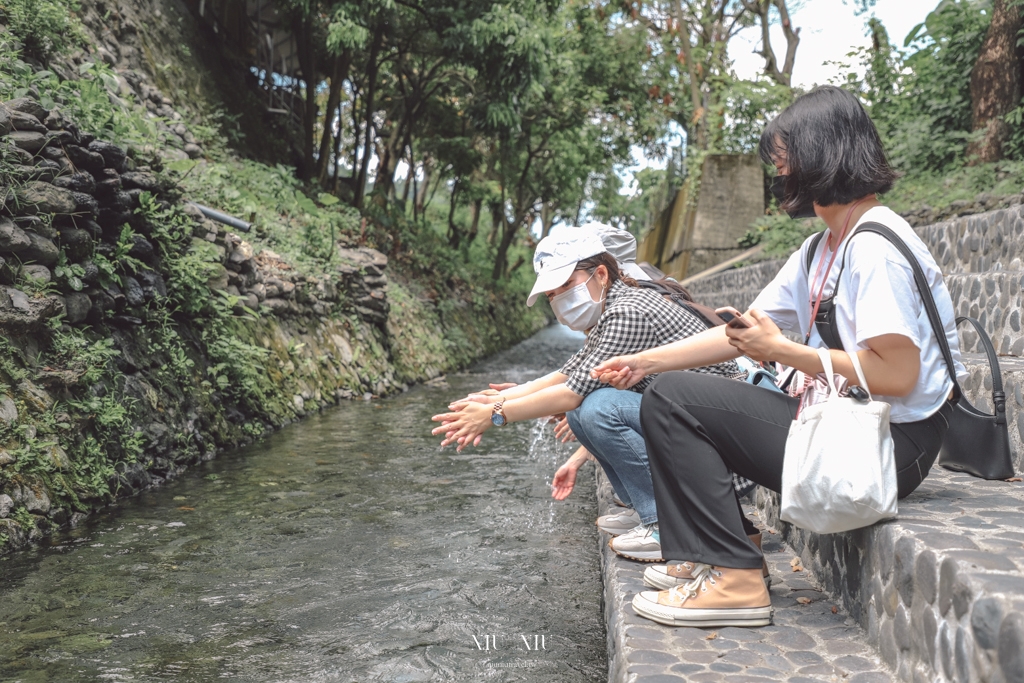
x,y
6,504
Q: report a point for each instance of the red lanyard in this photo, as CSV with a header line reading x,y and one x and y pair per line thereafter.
x,y
816,303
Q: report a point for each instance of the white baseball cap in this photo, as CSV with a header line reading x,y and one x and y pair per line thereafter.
x,y
620,244
557,255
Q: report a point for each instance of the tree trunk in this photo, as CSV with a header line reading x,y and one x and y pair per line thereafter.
x,y
408,179
995,84
302,28
474,227
371,88
454,233
547,218
338,75
421,195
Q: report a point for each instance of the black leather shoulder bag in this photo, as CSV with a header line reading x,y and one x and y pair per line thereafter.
x,y
976,442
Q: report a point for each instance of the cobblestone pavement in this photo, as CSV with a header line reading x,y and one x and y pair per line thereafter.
x,y
812,639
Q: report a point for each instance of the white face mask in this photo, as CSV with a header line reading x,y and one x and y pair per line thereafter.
x,y
576,309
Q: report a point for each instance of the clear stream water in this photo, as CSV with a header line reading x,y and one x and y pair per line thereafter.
x,y
343,548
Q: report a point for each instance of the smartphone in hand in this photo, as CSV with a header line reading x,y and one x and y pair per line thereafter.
x,y
732,317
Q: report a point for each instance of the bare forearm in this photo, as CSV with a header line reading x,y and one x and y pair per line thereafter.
x,y
706,348
533,386
548,401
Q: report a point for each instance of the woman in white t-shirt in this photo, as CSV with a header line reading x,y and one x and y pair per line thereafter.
x,y
698,428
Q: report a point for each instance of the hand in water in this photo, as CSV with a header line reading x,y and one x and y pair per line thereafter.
x,y
621,372
562,430
565,476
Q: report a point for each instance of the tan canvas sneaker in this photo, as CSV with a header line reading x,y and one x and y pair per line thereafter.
x,y
717,597
665,576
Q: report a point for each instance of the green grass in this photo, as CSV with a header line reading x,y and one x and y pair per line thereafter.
x,y
939,190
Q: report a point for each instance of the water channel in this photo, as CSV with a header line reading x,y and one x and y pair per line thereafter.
x,y
343,548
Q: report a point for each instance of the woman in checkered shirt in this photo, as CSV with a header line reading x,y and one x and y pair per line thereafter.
x,y
588,292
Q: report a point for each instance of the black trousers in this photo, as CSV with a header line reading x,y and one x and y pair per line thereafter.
x,y
699,427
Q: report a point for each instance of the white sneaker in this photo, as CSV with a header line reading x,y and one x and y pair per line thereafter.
x,y
642,543
618,522
617,500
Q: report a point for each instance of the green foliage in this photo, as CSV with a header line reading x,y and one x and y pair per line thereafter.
x,y
68,274
87,360
748,107
780,234
920,98
92,100
286,219
939,189
43,26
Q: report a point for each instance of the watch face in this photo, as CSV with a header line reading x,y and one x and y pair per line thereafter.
x,y
498,420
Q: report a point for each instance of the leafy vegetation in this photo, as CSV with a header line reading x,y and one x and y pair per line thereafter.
x,y
43,26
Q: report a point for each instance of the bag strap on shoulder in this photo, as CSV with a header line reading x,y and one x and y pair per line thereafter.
x,y
933,315
811,249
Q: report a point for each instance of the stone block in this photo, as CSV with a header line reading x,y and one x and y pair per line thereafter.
x,y
30,141
1011,648
12,238
26,105
926,576
37,197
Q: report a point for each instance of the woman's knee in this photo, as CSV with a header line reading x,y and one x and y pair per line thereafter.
x,y
599,406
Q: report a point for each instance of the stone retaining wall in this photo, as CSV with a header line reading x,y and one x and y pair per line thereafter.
x,y
939,590
80,263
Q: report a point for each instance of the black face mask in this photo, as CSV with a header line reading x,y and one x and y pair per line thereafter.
x,y
779,192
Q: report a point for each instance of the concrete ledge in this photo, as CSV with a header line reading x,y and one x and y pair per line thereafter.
x,y
940,590
808,642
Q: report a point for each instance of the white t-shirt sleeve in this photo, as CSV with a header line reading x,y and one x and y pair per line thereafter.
x,y
779,298
887,300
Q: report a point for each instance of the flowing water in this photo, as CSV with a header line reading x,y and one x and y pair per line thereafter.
x,y
343,548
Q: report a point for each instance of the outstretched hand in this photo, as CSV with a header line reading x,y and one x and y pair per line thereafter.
x,y
487,396
621,372
464,427
563,432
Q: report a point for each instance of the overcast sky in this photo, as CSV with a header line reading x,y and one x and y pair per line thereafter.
x,y
829,30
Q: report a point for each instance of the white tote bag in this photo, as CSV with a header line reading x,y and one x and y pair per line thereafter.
x,y
839,472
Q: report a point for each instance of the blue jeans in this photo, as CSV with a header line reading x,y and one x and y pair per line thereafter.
x,y
607,423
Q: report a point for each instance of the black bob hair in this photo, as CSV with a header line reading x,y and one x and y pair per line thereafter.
x,y
832,150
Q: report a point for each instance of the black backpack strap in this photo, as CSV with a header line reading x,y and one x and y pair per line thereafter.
x,y
933,312
811,248
703,313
